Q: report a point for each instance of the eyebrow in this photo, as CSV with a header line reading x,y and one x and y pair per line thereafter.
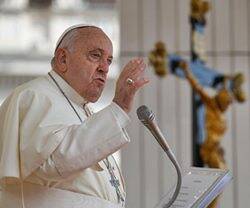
x,y
100,49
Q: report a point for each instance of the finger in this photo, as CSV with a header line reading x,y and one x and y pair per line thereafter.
x,y
138,60
140,66
137,75
139,72
132,69
133,64
136,70
141,82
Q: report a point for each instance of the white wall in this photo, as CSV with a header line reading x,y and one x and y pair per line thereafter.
x,y
147,172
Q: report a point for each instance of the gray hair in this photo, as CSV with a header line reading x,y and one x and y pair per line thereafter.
x,y
68,40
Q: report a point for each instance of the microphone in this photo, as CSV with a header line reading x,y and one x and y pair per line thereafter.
x,y
147,117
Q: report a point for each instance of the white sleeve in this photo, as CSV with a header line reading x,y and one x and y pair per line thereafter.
x,y
83,145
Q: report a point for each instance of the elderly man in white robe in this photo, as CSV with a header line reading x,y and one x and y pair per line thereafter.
x,y
54,152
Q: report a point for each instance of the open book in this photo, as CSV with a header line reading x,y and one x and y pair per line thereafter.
x,y
199,187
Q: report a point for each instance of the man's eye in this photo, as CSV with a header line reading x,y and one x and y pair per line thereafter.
x,y
95,55
109,61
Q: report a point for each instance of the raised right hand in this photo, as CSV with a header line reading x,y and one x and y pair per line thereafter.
x,y
125,91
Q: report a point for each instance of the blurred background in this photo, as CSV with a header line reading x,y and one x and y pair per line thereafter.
x,y
28,33
30,29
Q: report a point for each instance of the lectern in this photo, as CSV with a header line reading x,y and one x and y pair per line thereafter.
x,y
199,187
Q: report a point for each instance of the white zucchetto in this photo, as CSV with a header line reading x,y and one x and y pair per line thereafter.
x,y
70,29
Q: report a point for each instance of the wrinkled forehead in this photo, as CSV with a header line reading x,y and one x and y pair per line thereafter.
x,y
95,39
87,34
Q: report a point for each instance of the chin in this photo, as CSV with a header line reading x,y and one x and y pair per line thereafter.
x,y
94,98
93,95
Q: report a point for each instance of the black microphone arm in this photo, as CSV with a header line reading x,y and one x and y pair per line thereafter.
x,y
147,117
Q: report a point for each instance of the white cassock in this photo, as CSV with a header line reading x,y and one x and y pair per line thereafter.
x,y
48,158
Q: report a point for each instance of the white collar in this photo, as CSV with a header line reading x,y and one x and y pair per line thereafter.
x,y
66,88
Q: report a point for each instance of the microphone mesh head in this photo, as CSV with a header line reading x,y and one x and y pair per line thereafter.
x,y
145,114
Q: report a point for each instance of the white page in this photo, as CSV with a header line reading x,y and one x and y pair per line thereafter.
x,y
198,184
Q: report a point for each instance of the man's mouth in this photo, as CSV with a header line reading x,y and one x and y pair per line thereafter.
x,y
101,80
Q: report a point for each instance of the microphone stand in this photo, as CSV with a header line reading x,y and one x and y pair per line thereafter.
x,y
147,117
164,145
179,178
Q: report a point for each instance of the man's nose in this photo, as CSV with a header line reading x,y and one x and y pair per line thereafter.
x,y
104,66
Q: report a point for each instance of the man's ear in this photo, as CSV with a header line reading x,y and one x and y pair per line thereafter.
x,y
61,58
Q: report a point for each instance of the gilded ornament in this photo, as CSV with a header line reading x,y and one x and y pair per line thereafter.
x,y
211,152
198,9
158,59
237,81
